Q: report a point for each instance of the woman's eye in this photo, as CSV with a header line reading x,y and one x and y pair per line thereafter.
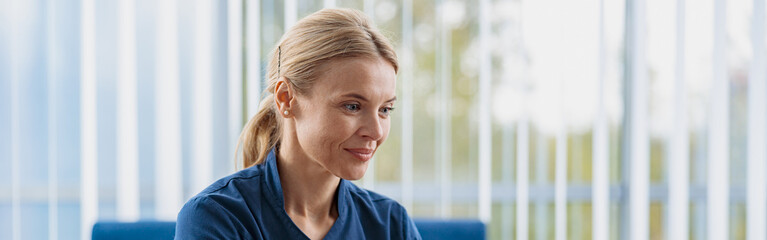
x,y
352,107
387,110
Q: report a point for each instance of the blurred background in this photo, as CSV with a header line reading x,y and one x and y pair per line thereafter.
x,y
546,119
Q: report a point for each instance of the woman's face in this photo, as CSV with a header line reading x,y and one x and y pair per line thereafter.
x,y
344,117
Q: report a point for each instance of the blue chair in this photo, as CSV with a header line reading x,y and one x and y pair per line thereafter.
x,y
450,229
151,230
144,230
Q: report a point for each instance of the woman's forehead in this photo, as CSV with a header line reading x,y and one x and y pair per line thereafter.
x,y
369,77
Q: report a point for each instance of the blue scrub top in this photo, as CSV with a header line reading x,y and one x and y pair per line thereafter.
x,y
249,205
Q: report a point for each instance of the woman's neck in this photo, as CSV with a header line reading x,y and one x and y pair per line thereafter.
x,y
308,188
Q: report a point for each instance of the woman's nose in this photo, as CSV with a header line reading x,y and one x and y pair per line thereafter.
x,y
371,127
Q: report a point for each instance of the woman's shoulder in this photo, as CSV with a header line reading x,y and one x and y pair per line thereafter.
x,y
221,211
373,207
227,193
247,175
208,217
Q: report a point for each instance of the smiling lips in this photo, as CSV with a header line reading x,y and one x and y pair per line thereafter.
x,y
363,154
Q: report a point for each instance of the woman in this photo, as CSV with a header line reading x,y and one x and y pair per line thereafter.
x,y
331,89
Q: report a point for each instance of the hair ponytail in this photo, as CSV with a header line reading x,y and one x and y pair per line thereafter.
x,y
260,134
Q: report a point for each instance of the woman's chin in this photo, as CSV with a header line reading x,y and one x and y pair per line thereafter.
x,y
355,174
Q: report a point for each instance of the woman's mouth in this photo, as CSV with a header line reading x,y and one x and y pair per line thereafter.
x,y
363,154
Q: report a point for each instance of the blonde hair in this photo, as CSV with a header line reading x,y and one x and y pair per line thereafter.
x,y
325,35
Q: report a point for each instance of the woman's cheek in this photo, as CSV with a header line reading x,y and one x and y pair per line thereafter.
x,y
386,125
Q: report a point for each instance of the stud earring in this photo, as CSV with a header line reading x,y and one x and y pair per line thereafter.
x,y
286,112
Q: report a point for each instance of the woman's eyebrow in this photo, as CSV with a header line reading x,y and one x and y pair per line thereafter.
x,y
360,97
354,95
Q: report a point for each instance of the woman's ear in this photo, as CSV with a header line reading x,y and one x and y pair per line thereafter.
x,y
283,97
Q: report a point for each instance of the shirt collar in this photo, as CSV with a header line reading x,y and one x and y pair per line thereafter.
x,y
274,186
272,179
